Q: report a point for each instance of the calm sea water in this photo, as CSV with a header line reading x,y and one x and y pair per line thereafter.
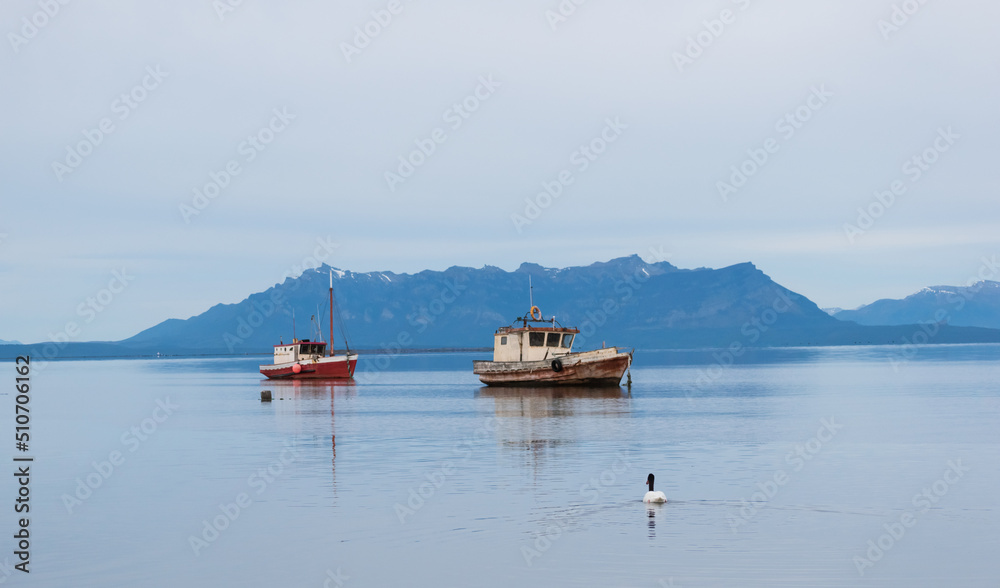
x,y
798,467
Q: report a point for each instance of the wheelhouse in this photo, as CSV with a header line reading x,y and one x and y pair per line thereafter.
x,y
299,350
530,343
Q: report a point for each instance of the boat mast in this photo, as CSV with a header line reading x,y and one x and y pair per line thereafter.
x,y
293,326
331,313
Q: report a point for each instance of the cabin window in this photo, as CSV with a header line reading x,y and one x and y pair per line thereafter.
x,y
503,340
536,339
553,340
567,341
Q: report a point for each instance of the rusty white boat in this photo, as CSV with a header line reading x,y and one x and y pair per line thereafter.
x,y
305,359
539,353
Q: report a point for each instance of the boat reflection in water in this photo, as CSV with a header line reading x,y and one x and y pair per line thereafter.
x,y
293,401
556,401
535,419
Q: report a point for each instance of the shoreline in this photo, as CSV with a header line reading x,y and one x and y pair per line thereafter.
x,y
35,349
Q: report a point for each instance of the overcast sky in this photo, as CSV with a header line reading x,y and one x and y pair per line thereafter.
x,y
664,97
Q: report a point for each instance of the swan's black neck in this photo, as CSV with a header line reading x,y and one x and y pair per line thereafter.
x,y
649,481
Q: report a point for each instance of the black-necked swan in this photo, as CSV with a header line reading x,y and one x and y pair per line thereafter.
x,y
652,496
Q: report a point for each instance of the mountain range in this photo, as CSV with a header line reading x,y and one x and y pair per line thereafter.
x,y
977,305
625,302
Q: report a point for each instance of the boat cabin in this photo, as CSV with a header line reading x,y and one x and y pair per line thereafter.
x,y
299,350
530,343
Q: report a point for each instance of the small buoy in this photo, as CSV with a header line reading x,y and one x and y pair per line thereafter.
x,y
296,369
265,396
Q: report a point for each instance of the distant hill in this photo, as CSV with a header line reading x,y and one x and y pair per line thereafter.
x,y
977,305
3,342
625,302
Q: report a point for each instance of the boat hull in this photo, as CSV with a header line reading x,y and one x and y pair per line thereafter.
x,y
602,367
338,367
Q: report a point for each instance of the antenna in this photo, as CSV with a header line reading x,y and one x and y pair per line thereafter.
x,y
293,326
531,297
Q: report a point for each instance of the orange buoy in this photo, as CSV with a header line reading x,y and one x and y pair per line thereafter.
x,y
296,369
535,311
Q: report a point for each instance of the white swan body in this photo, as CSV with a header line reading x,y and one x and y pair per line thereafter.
x,y
651,496
657,496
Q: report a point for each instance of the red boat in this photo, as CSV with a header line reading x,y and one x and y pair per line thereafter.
x,y
305,359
